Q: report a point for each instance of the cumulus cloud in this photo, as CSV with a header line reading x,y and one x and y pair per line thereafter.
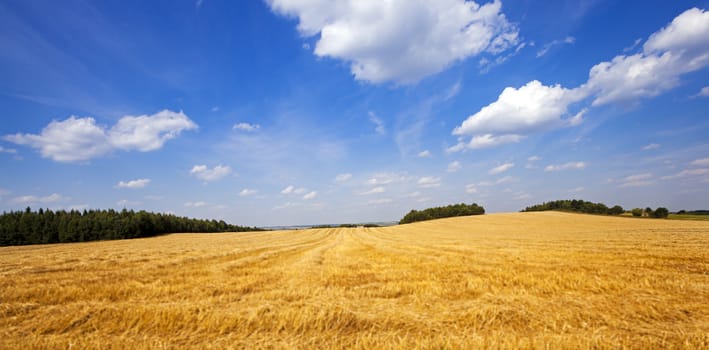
x,y
247,192
453,166
501,168
517,112
424,154
27,200
139,183
429,182
80,139
343,177
148,132
379,189
566,166
202,172
401,40
679,48
310,195
246,127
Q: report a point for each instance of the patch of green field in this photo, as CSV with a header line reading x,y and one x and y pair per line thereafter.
x,y
688,217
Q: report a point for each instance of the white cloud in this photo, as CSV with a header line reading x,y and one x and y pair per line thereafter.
x,y
517,112
429,182
80,139
380,201
74,139
379,124
534,158
700,162
501,168
637,180
385,179
196,204
204,173
401,40
293,190
127,203
687,173
634,45
543,51
52,198
139,183
470,188
379,189
577,189
148,132
504,180
651,146
566,166
453,166
704,92
246,127
679,48
522,195
7,150
310,195
247,192
343,177
424,154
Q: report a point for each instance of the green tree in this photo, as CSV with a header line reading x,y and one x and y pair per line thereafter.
x,y
661,212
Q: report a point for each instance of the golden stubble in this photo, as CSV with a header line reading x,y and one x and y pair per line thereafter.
x,y
521,280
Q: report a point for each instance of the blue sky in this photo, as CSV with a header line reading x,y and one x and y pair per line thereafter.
x,y
288,112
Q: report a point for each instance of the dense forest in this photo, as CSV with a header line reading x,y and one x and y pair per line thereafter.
x,y
581,206
448,211
47,226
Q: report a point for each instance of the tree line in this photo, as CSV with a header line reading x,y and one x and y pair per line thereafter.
x,y
448,211
581,206
47,226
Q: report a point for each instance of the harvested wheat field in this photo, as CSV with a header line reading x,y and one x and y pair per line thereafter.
x,y
522,280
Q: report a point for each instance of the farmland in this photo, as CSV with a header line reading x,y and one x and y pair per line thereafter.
x,y
519,280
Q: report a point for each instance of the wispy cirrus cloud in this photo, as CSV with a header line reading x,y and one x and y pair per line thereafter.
x,y
501,168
